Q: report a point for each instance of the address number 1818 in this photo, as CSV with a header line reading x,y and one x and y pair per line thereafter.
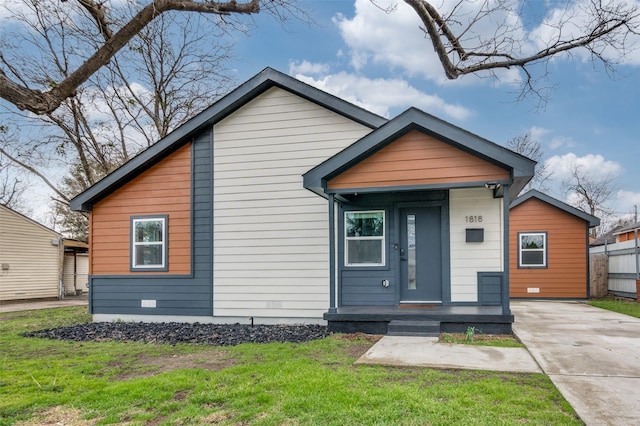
x,y
473,219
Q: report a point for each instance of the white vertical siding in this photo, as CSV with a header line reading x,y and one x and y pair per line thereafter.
x,y
467,259
68,274
270,234
75,272
33,260
620,264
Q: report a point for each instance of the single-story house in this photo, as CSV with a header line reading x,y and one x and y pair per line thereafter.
x,y
627,233
283,203
36,262
549,248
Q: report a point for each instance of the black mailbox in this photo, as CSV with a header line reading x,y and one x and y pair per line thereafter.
x,y
475,235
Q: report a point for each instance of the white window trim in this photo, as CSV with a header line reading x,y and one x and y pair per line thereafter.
x,y
381,238
134,261
543,249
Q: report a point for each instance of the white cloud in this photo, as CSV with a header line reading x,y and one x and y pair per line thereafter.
x,y
593,165
538,133
562,142
571,19
380,95
543,135
10,8
306,67
626,200
395,39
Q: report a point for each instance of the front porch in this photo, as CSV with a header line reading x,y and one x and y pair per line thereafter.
x,y
452,318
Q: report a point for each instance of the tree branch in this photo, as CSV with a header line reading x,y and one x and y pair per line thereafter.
x,y
607,21
35,172
40,102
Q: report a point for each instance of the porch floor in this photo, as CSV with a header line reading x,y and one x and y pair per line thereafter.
x,y
452,318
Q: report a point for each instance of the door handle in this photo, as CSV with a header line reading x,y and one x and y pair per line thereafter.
x,y
403,254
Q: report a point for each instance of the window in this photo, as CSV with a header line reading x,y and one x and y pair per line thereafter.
x,y
364,238
149,243
532,251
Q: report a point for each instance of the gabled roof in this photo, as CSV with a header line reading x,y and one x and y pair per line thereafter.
x,y
592,220
29,220
415,119
247,91
628,228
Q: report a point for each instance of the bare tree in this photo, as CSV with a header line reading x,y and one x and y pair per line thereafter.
x,y
70,223
590,193
531,148
115,31
171,70
12,182
11,188
471,37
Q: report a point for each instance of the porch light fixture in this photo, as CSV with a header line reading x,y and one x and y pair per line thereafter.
x,y
492,185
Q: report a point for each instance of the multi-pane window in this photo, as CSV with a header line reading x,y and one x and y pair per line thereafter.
x,y
149,243
364,238
532,249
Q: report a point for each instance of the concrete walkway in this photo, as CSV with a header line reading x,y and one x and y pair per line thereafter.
x,y
28,305
426,352
590,354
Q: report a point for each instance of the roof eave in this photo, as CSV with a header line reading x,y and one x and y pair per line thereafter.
x,y
593,221
413,119
253,87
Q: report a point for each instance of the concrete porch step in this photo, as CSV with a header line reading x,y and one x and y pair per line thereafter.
x,y
413,328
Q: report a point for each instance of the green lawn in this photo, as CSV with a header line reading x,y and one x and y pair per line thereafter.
x,y
94,383
627,307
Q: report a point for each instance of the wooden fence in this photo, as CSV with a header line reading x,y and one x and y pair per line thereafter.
x,y
614,269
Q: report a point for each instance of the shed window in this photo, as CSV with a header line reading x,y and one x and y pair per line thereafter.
x,y
532,250
149,243
364,238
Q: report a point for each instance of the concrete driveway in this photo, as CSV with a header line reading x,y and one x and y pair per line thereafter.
x,y
28,305
590,354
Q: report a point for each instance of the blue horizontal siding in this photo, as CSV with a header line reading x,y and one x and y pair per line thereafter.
x,y
174,295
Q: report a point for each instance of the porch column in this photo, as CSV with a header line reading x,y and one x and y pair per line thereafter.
x,y
332,256
506,310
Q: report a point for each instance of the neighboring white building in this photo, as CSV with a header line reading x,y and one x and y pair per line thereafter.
x,y
33,260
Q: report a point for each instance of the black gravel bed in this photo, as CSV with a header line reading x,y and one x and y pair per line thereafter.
x,y
173,333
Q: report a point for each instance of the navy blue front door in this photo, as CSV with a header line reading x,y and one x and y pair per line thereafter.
x,y
420,254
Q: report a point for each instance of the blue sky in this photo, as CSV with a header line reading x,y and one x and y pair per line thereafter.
x,y
382,62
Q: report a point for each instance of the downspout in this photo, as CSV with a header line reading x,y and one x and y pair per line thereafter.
x,y
332,256
61,268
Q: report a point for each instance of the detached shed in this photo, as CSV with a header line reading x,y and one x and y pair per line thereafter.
x,y
549,250
33,259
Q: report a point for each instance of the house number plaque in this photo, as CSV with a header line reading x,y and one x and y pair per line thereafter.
x,y
473,219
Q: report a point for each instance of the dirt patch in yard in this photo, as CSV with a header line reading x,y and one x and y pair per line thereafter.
x,y
59,416
361,343
150,366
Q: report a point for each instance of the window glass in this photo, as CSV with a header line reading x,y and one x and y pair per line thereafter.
x,y
148,230
532,241
533,249
364,234
149,246
365,224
